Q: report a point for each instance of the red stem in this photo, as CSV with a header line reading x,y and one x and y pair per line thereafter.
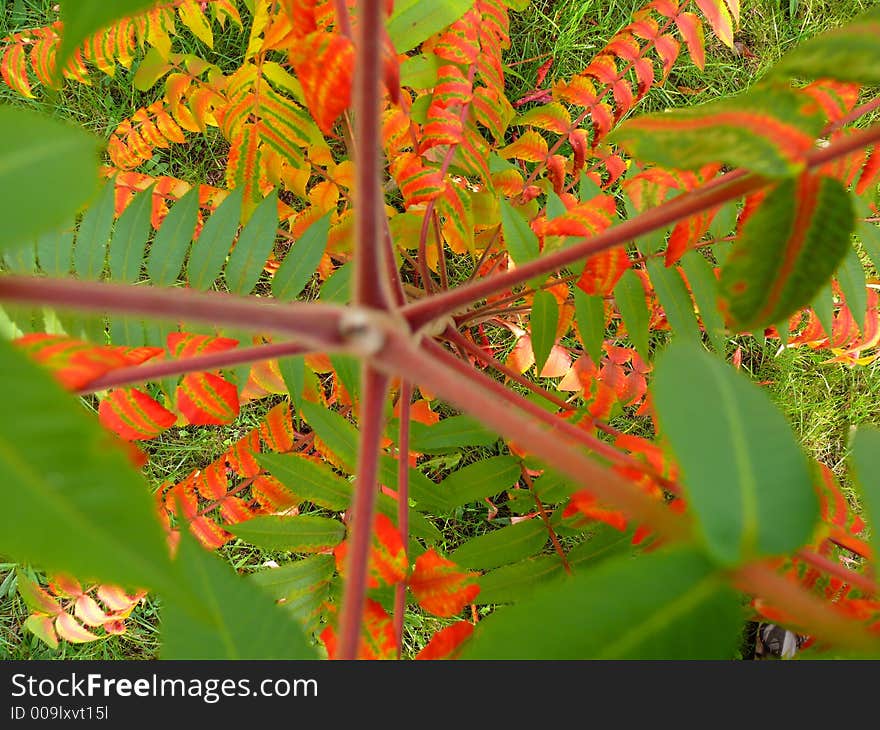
x,y
822,620
478,395
371,286
402,506
586,439
199,363
312,324
732,186
375,388
838,571
546,518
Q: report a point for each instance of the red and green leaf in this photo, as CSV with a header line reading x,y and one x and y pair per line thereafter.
x,y
790,246
446,643
134,415
765,131
440,586
207,399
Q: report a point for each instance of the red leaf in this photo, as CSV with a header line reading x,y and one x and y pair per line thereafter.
x,y
277,428
240,456
446,642
134,415
377,635
692,31
207,399
388,564
186,344
603,270
76,363
324,65
440,586
585,503
272,494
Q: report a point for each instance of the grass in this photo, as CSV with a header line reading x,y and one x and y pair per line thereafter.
x,y
821,401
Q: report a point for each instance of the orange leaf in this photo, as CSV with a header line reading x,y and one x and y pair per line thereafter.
x,y
585,503
603,270
388,563
134,415
324,65
377,635
69,629
446,642
207,399
440,586
75,363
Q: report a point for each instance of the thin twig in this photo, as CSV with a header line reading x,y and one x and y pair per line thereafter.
x,y
200,363
402,506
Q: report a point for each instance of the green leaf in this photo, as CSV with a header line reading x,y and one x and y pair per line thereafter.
x,y
767,131
34,597
449,434
503,546
211,248
301,261
301,533
293,371
869,235
414,21
341,437
865,465
55,252
254,245
34,149
173,239
666,605
484,479
630,297
724,221
674,297
823,306
313,482
788,249
551,487
71,501
348,370
851,277
318,484
287,581
590,319
21,260
850,53
420,71
514,583
152,67
231,621
744,475
520,239
545,317
337,288
704,287
130,238
605,542
94,233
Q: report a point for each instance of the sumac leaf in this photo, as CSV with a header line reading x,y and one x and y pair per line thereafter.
x,y
666,605
767,131
744,475
788,249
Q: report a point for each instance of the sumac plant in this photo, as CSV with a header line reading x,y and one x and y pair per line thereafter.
x,y
389,223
